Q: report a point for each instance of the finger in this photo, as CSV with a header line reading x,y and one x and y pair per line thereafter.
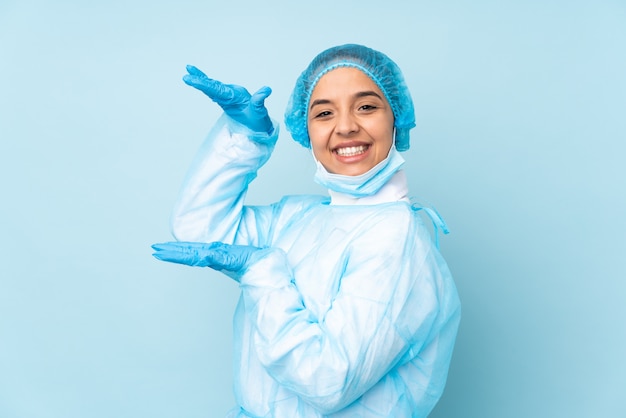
x,y
195,71
195,74
166,246
205,246
218,92
185,245
182,256
258,99
170,251
171,256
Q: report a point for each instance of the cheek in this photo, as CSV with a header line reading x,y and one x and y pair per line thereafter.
x,y
317,138
382,132
389,131
318,152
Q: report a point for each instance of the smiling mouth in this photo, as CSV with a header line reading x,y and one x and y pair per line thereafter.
x,y
351,151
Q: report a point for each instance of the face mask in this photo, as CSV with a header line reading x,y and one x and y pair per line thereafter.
x,y
365,184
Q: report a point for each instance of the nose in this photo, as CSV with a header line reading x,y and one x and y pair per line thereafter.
x,y
346,124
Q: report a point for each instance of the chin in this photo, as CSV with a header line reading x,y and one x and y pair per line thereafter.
x,y
354,171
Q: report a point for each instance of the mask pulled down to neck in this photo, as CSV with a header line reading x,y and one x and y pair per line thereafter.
x,y
366,184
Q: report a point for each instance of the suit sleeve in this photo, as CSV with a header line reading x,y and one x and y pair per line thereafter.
x,y
210,206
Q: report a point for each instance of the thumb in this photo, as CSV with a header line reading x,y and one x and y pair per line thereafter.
x,y
258,99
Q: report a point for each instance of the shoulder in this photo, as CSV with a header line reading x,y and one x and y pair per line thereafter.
x,y
388,226
399,217
402,229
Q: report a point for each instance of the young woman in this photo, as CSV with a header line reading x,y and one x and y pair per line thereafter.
x,y
347,308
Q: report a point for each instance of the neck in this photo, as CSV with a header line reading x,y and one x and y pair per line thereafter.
x,y
395,190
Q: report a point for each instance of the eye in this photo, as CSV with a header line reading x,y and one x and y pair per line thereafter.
x,y
368,107
323,114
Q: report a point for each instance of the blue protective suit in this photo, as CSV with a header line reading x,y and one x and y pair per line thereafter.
x,y
349,311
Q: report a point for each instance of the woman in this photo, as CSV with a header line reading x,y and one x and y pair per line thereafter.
x,y
347,309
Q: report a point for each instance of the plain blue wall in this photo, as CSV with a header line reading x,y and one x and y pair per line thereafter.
x,y
520,145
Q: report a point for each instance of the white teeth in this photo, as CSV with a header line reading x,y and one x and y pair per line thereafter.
x,y
350,151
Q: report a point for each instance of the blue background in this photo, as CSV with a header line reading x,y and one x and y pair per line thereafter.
x,y
520,145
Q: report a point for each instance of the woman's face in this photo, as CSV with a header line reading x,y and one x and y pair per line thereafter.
x,y
350,122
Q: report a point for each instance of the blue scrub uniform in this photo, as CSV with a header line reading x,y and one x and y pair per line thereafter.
x,y
348,311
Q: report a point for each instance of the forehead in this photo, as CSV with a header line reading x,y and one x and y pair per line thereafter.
x,y
344,80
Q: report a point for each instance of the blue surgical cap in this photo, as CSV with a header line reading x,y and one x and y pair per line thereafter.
x,y
376,65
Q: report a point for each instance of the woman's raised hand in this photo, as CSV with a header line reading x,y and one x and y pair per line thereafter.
x,y
236,101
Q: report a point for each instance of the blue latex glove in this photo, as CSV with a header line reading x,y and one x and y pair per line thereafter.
x,y
249,110
216,255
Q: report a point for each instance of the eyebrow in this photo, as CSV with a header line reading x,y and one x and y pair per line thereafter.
x,y
356,96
